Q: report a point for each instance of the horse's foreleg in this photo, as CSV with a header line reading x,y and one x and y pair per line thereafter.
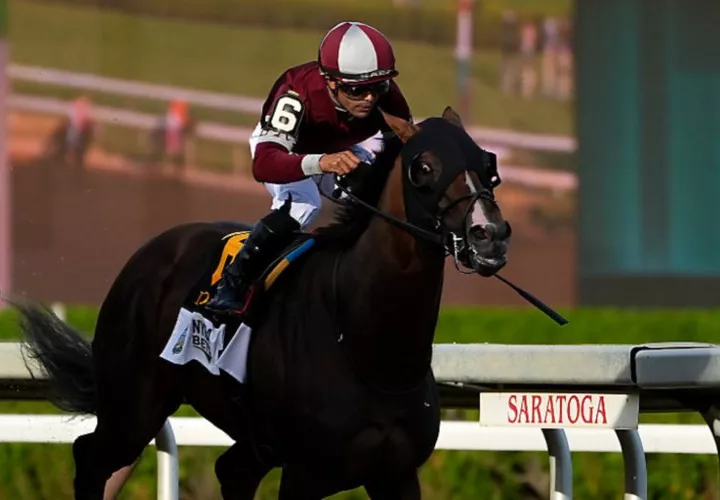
x,y
240,471
395,488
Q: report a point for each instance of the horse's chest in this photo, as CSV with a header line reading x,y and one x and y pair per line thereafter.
x,y
329,394
316,399
354,418
372,433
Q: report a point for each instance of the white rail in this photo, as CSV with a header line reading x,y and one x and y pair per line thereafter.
x,y
454,435
247,105
128,118
239,136
468,436
663,376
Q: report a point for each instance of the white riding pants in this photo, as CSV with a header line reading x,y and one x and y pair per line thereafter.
x,y
306,198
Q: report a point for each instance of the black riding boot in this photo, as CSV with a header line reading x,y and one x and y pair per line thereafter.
x,y
269,237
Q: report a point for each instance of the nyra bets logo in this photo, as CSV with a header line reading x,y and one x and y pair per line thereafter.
x,y
200,337
195,338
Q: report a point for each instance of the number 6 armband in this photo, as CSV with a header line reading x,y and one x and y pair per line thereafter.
x,y
283,123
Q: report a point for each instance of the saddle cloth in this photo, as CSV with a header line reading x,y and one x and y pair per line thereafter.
x,y
221,342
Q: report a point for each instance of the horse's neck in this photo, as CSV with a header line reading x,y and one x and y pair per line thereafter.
x,y
390,296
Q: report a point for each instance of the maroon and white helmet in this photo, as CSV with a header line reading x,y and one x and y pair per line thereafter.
x,y
356,53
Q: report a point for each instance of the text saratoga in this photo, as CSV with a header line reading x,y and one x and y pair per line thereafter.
x,y
556,409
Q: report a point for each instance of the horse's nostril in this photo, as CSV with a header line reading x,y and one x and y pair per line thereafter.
x,y
478,232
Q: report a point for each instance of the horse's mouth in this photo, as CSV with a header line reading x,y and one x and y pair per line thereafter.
x,y
487,266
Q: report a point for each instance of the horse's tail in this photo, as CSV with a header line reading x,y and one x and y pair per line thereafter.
x,y
63,356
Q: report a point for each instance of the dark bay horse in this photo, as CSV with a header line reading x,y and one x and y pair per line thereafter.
x,y
340,390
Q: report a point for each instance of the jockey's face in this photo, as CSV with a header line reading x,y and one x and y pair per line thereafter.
x,y
359,100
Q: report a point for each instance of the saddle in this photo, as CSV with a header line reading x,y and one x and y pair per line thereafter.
x,y
228,247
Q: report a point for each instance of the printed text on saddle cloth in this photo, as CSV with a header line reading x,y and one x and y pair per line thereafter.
x,y
196,338
306,198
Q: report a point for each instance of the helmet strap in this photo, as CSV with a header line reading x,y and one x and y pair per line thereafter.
x,y
334,94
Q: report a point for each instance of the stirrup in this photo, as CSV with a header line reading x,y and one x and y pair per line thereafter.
x,y
237,295
235,307
230,293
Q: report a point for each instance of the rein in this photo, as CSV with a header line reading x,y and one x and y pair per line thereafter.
x,y
407,226
440,239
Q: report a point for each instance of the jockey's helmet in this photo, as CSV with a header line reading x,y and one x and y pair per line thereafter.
x,y
356,53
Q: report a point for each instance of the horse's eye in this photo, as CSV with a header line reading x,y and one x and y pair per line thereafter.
x,y
420,174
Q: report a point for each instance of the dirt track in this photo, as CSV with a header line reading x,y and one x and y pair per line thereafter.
x,y
73,232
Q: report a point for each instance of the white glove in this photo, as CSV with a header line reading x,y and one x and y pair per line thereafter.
x,y
363,154
368,149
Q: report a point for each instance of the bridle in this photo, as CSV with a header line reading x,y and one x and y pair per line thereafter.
x,y
454,245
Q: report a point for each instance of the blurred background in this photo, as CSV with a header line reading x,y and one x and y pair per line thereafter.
x,y
124,117
127,117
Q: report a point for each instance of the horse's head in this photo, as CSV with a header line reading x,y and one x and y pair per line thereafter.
x,y
448,186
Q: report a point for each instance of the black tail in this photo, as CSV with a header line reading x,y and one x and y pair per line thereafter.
x,y
63,356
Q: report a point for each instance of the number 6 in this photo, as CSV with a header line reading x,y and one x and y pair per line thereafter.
x,y
287,113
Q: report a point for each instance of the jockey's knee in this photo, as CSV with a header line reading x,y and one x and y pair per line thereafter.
x,y
304,213
306,201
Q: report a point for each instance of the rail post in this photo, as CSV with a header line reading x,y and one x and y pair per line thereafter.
x,y
560,464
167,463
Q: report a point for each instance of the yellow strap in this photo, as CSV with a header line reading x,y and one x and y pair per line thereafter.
x,y
234,243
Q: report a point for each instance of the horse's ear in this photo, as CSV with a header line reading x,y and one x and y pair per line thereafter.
x,y
402,128
450,115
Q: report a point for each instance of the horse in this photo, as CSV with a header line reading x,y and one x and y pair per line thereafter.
x,y
340,391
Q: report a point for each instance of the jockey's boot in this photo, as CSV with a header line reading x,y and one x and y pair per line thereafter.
x,y
269,237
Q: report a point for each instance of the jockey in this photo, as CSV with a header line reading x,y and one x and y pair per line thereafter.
x,y
319,120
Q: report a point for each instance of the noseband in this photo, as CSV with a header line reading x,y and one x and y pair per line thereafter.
x,y
459,246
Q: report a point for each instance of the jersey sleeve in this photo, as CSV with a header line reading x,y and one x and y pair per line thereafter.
x,y
275,138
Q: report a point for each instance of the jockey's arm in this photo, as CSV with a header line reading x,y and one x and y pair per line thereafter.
x,y
274,139
274,162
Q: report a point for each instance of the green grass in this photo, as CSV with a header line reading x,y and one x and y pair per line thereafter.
x,y
247,61
522,325
485,7
39,472
523,7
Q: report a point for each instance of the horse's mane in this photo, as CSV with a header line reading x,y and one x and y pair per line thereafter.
x,y
352,219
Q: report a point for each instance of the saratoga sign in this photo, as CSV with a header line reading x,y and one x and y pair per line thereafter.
x,y
556,410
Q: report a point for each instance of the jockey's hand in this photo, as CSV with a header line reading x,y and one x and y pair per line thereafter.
x,y
339,163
